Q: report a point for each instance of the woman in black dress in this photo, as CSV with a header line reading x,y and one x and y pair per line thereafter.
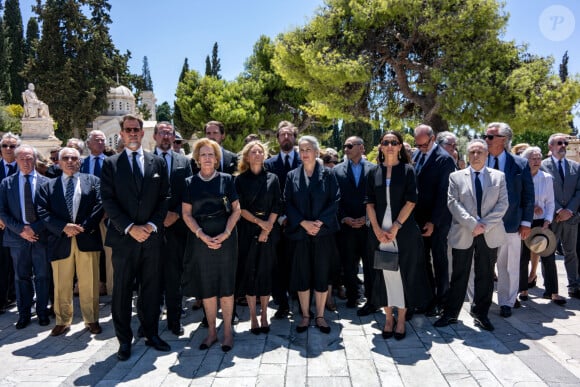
x,y
311,196
391,198
259,193
211,210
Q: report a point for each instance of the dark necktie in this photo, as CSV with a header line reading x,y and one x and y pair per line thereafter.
x,y
11,169
168,162
561,170
496,163
421,162
478,193
287,166
137,176
97,168
68,197
29,212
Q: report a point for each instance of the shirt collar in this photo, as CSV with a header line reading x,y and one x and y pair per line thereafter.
x,y
130,152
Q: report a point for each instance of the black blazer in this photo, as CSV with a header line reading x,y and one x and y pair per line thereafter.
x,y
432,186
351,197
230,163
53,211
276,166
127,204
3,169
316,201
180,170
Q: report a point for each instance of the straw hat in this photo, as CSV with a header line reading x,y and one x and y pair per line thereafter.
x,y
541,241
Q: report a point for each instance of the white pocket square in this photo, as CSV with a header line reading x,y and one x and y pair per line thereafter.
x,y
156,175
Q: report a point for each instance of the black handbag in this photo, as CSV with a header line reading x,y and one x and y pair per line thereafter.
x,y
386,260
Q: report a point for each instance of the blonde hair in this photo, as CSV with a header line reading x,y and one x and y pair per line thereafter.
x,y
212,144
244,163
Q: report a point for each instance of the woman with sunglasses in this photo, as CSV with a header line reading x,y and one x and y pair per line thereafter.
x,y
391,198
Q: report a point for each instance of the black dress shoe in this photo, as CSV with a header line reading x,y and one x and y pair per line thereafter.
x,y
434,311
22,322
158,344
505,311
322,328
43,321
366,310
559,301
444,321
124,352
573,292
483,323
517,304
301,329
400,336
176,329
282,313
351,303
524,297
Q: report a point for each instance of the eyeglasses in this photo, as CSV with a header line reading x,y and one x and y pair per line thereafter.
x,y
12,146
177,142
165,134
131,130
423,145
451,145
331,162
565,143
349,146
490,137
69,158
392,143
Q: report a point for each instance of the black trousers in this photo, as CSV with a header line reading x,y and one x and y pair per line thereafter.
x,y
7,289
282,272
141,262
548,267
352,243
437,268
173,250
482,257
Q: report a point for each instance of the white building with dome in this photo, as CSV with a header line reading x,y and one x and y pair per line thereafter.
x,y
121,101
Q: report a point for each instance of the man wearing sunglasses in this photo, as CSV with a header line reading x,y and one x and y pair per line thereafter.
x,y
566,179
518,218
8,167
433,165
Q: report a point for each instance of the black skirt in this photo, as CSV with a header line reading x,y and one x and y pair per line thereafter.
x,y
311,263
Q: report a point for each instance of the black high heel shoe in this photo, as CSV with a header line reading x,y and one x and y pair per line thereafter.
x,y
301,329
389,334
532,284
325,330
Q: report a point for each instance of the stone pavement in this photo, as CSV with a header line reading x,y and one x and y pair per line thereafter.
x,y
539,345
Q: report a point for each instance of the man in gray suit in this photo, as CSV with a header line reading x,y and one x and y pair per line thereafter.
x,y
477,200
566,175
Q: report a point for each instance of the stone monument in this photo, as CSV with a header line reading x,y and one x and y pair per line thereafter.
x,y
37,125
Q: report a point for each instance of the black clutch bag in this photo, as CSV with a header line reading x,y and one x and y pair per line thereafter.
x,y
386,260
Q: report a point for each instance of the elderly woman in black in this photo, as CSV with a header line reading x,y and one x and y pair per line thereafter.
x,y
311,196
211,210
391,197
259,232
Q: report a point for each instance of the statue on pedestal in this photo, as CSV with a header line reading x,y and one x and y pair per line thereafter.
x,y
34,107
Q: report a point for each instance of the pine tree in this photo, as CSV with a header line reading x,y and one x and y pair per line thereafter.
x,y
207,66
146,75
14,37
5,93
215,62
178,121
564,67
32,38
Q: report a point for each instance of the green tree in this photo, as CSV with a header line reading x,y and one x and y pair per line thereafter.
x,y
5,92
164,112
215,62
32,38
207,66
76,62
146,74
180,124
14,35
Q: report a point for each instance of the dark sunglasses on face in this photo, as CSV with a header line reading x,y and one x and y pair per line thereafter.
x,y
387,143
11,146
557,143
350,146
490,137
129,130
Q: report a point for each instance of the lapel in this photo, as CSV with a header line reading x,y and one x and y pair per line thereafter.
x,y
295,161
509,164
147,165
554,171
15,191
2,170
469,184
485,183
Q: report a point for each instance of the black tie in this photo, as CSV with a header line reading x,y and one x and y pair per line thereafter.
x,y
496,163
29,212
167,161
68,197
97,168
421,162
287,166
137,176
561,170
478,193
11,169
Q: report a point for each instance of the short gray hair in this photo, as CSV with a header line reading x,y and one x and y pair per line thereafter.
x,y
443,137
477,141
10,135
24,147
67,149
527,153
504,130
551,139
312,141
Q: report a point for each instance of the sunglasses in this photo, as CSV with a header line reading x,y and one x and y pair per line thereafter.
x,y
131,130
11,146
69,158
557,143
392,143
350,146
490,137
332,162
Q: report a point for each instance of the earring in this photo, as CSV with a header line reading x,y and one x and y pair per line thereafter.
x,y
399,156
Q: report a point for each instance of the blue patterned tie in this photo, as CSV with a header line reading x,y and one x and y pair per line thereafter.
x,y
97,168
29,211
68,197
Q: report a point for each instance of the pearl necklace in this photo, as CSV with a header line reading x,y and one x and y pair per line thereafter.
x,y
208,178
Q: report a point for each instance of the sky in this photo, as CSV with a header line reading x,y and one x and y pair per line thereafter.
x,y
168,31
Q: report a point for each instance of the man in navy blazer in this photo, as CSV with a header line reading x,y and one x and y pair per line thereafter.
x,y
285,161
518,218
26,236
433,165
71,208
8,167
135,194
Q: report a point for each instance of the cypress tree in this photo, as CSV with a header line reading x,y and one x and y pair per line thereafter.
x,y
208,71
215,62
5,93
32,37
14,36
146,74
178,120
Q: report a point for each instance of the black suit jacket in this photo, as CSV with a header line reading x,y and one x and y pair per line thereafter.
x,y
230,163
2,176
352,197
127,204
432,185
53,211
180,170
276,166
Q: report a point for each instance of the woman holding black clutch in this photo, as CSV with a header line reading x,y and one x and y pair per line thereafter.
x,y
391,198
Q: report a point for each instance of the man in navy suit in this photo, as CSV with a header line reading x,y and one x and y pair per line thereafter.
x,y
285,161
216,131
433,165
26,236
135,194
8,167
518,218
351,175
179,169
71,208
